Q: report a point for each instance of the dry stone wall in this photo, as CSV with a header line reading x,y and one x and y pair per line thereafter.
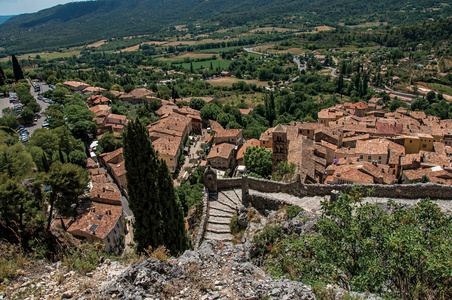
x,y
406,191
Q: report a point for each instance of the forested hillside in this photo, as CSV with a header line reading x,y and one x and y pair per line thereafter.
x,y
83,22
4,18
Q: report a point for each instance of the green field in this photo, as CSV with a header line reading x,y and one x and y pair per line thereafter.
x,y
223,64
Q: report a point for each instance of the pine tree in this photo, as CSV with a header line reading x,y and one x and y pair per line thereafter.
x,y
151,194
18,74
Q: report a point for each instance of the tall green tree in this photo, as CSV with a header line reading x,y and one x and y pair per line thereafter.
x,y
18,74
172,212
258,160
67,182
2,77
151,194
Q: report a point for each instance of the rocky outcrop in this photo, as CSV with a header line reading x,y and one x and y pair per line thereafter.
x,y
214,271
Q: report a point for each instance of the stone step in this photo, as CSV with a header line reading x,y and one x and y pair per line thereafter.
x,y
220,213
219,237
223,200
219,220
232,195
221,206
235,196
218,228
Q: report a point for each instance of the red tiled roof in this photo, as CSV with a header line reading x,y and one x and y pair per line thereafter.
x,y
248,143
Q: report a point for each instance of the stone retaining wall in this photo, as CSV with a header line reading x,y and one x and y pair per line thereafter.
x,y
203,223
229,183
263,202
407,191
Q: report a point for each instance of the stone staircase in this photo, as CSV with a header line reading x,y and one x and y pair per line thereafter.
x,y
222,207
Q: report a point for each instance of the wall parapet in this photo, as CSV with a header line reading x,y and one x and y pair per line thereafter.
x,y
202,225
296,188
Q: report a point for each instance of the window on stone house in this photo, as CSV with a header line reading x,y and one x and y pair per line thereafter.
x,y
361,157
411,141
369,157
379,157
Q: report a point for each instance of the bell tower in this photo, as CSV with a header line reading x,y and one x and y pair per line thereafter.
x,y
280,146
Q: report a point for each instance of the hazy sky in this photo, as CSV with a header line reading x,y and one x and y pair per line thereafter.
x,y
17,7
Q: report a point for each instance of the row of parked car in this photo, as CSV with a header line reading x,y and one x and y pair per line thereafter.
x,y
46,100
18,107
24,135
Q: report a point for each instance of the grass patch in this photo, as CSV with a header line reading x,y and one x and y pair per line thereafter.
x,y
252,100
438,88
45,55
85,258
191,55
12,260
293,211
236,230
223,64
228,81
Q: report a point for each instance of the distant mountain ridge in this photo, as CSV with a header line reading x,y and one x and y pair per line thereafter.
x,y
81,22
3,19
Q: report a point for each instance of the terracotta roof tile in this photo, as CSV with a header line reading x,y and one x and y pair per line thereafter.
x,y
104,216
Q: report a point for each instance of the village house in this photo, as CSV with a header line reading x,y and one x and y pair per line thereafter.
x,y
194,115
97,99
377,150
137,96
242,150
173,125
114,163
94,89
233,136
168,149
75,86
99,222
220,156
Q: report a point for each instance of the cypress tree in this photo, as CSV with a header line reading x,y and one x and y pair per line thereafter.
x,y
45,163
2,77
152,198
18,74
172,212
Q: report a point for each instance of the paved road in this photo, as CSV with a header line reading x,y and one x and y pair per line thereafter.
x,y
397,93
4,103
250,50
38,124
125,207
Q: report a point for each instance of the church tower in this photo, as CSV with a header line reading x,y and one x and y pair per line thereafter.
x,y
280,146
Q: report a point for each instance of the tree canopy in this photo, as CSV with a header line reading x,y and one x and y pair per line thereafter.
x,y
156,208
258,160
